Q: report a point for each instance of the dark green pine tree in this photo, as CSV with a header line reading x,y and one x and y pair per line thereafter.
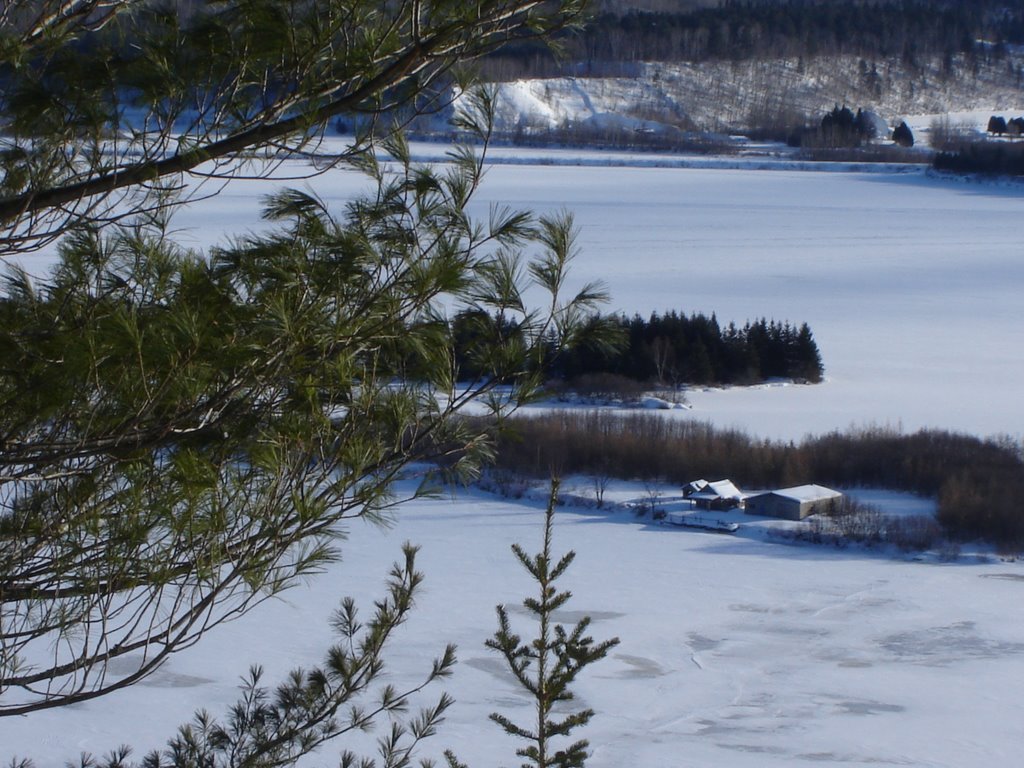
x,y
809,365
903,135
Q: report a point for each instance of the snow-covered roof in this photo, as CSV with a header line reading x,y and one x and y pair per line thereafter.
x,y
810,492
724,489
718,489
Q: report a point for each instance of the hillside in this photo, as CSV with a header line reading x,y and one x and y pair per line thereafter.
x,y
653,71
754,96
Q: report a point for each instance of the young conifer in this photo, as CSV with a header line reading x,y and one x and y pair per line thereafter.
x,y
548,665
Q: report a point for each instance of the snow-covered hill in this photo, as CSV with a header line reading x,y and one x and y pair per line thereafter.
x,y
776,93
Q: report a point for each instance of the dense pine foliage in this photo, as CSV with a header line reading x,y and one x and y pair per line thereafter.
x,y
666,349
838,128
674,348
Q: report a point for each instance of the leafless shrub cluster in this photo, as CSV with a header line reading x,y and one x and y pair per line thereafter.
x,y
853,522
978,483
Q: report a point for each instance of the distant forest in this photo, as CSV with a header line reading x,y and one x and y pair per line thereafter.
x,y
674,348
668,349
750,29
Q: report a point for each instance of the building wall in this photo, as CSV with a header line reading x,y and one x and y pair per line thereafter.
x,y
773,505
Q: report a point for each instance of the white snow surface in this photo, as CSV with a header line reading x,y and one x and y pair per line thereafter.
x,y
809,492
911,282
734,651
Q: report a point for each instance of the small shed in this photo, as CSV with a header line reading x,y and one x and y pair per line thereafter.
x,y
720,494
694,486
794,503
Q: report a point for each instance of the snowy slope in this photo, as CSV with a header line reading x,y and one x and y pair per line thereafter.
x,y
725,96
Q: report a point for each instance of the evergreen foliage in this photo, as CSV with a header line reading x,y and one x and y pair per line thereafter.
x,y
547,666
997,125
185,434
674,348
313,706
840,128
110,107
902,135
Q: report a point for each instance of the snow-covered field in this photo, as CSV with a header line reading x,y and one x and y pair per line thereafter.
x,y
735,651
912,284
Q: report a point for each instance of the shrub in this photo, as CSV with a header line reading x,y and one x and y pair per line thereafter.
x,y
607,387
985,157
913,534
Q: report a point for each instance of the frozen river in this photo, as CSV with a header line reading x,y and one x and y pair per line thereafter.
x,y
912,284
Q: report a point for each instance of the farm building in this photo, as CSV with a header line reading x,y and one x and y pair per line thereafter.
x,y
793,503
720,494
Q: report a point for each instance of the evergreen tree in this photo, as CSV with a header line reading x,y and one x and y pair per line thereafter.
x,y
808,363
343,694
902,135
997,125
185,435
548,665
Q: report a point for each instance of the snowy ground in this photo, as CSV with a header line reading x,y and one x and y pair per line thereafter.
x,y
735,652
910,282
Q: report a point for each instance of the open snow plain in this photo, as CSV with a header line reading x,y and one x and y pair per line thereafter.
x,y
912,284
735,652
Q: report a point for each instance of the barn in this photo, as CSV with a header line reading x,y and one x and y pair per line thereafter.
x,y
794,503
720,494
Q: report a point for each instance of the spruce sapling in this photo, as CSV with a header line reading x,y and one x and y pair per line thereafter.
x,y
548,665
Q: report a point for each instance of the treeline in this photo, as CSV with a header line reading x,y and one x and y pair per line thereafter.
x,y
839,128
666,349
795,28
978,483
980,156
674,348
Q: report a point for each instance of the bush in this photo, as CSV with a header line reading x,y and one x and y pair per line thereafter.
x,y
982,156
913,534
607,387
